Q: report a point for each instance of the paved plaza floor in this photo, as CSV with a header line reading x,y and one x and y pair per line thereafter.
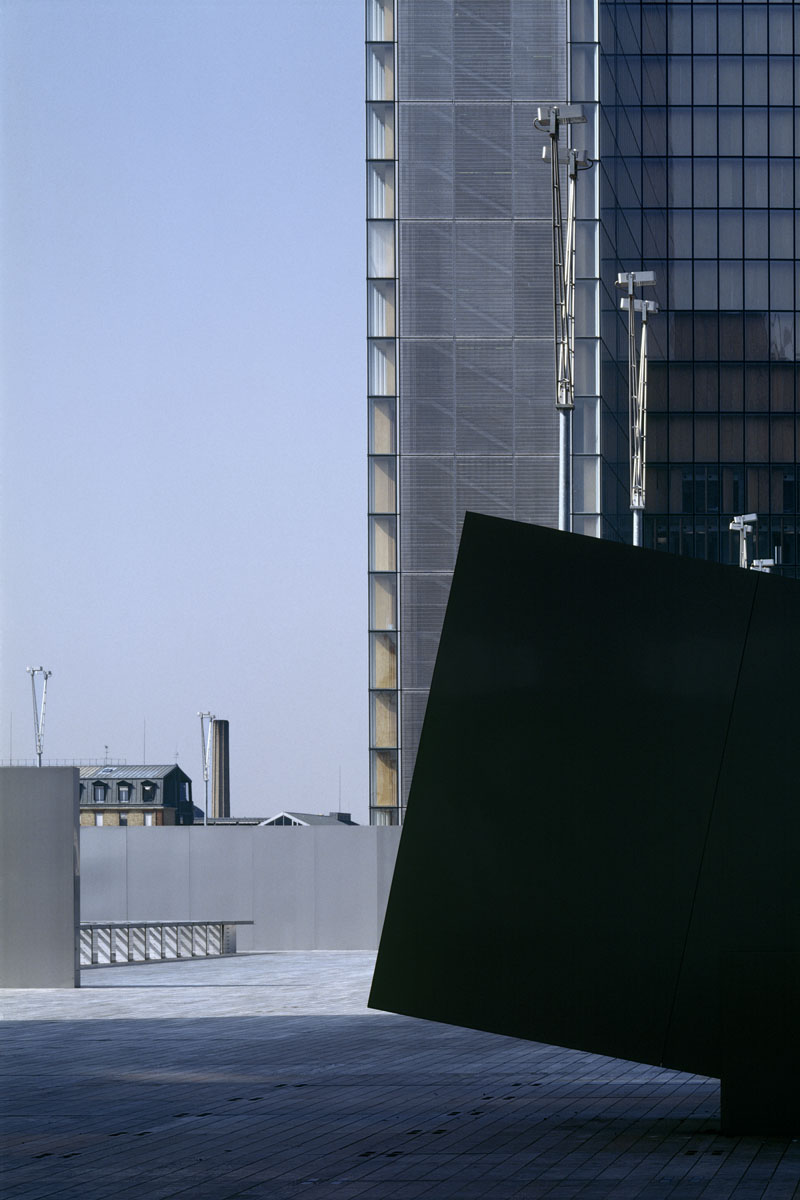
x,y
265,1076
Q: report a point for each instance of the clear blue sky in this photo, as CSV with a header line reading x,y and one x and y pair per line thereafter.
x,y
183,468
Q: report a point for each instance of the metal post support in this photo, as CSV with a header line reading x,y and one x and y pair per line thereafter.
x,y
637,392
549,121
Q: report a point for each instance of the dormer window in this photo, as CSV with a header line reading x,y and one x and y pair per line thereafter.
x,y
148,793
98,793
124,793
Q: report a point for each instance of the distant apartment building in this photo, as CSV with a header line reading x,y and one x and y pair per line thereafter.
x,y
135,795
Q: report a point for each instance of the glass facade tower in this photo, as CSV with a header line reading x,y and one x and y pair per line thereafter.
x,y
693,120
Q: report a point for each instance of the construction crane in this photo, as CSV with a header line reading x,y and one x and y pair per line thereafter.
x,y
549,121
39,709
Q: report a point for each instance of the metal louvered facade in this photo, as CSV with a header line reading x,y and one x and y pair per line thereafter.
x,y
476,421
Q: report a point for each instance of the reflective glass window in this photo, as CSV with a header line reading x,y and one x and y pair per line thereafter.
x,y
756,234
383,537
781,131
380,131
705,234
654,29
781,183
383,660
586,425
680,233
380,72
383,770
679,20
380,248
382,428
680,284
383,721
730,80
781,285
383,601
382,485
780,28
679,130
730,182
705,30
680,182
380,189
755,29
730,28
381,368
731,290
755,89
705,284
730,130
781,339
680,79
705,131
781,87
781,235
705,80
585,481
731,388
730,234
756,191
654,80
584,81
756,285
654,131
705,183
380,20
755,131
381,308
582,20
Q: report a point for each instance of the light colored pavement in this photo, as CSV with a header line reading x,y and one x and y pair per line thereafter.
x,y
266,1077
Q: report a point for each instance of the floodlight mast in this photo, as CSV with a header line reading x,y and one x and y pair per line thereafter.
x,y
744,525
38,712
637,391
205,746
549,121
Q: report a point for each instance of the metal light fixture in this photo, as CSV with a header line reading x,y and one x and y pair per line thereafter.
x,y
549,121
637,391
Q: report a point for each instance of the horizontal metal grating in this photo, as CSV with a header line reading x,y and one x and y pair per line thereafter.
x,y
427,274
481,49
428,527
483,174
482,41
484,294
428,170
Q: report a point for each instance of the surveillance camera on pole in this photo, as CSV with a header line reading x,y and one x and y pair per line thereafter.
x,y
743,525
38,711
637,391
549,121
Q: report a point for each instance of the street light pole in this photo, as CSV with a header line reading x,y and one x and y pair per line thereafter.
x,y
205,745
549,121
637,391
38,713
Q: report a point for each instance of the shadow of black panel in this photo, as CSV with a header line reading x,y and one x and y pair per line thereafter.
x,y
565,869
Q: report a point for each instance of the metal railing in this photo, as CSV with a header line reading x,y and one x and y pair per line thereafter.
x,y
106,943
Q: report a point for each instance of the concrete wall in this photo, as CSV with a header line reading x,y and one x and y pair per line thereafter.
x,y
316,888
39,865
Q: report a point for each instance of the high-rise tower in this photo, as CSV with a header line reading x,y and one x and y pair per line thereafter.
x,y
692,121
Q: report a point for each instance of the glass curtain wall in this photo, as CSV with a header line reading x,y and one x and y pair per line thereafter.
x,y
703,184
382,413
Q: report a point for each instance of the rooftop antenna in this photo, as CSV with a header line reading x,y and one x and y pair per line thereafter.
x,y
549,121
637,390
205,745
38,711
